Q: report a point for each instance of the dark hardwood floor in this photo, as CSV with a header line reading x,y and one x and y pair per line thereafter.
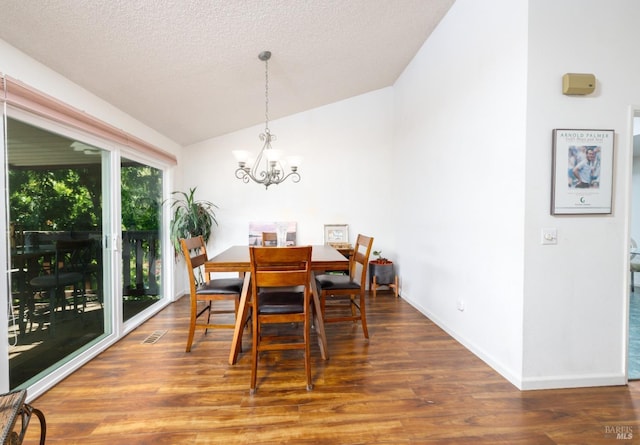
x,y
410,383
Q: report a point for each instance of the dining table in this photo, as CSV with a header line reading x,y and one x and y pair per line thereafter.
x,y
237,259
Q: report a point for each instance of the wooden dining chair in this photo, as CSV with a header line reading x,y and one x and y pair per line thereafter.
x,y
351,287
269,239
205,290
281,290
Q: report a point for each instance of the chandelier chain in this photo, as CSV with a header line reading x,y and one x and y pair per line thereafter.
x,y
266,94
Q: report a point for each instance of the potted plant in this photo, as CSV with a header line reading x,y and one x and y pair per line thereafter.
x,y
382,269
382,273
191,218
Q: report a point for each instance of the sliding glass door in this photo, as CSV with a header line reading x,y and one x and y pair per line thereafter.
x,y
141,198
57,270
84,236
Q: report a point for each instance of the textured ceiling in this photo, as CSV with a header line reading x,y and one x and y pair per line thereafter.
x,y
190,68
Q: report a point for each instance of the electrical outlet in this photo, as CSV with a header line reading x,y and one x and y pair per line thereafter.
x,y
549,236
460,305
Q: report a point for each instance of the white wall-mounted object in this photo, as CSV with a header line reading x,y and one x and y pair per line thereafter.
x,y
549,236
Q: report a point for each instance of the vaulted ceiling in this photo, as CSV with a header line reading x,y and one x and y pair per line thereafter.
x,y
190,69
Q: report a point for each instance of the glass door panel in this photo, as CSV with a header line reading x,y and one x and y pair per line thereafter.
x,y
57,303
141,203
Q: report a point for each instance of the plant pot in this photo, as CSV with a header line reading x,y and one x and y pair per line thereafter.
x,y
384,272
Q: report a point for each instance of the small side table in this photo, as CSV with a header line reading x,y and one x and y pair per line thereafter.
x,y
375,286
12,406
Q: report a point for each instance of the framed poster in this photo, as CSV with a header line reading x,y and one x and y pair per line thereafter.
x,y
582,172
336,234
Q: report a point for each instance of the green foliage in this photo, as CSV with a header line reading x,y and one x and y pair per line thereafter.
x,y
70,198
62,199
141,191
379,258
191,218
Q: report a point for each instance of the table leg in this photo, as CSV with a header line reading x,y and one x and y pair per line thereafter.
x,y
19,276
319,323
241,319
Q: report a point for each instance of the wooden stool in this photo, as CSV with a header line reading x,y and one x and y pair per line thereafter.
x,y
12,406
375,286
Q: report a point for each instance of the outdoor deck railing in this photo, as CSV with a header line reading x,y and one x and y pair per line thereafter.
x,y
140,263
141,267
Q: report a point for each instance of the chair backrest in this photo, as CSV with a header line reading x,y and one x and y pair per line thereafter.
x,y
269,239
194,251
74,255
360,259
284,267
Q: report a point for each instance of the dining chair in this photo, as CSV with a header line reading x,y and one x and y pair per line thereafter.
x,y
69,267
281,290
204,289
338,287
269,239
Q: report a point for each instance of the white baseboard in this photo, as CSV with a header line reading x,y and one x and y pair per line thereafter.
x,y
573,381
546,382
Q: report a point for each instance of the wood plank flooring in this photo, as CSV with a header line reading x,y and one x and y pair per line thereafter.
x,y
409,384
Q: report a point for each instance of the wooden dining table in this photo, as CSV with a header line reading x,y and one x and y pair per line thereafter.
x,y
237,259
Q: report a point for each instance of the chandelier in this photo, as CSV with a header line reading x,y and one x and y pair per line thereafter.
x,y
268,168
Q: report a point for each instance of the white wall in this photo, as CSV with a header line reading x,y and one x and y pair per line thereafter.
x,y
346,174
480,99
634,227
460,140
576,292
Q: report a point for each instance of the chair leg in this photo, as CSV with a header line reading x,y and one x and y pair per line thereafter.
x,y
353,305
254,353
27,412
363,316
375,286
208,309
236,306
43,424
53,296
79,293
192,325
307,350
633,287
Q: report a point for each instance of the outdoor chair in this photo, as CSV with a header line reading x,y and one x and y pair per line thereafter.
x,y
69,267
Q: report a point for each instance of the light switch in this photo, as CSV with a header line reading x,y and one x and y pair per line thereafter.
x,y
550,236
